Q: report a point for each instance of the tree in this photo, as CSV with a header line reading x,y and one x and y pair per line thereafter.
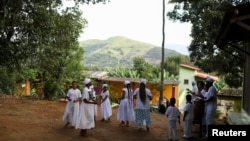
x,y
144,69
40,36
122,72
91,1
171,64
206,17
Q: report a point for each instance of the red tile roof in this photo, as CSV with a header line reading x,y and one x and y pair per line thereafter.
x,y
199,74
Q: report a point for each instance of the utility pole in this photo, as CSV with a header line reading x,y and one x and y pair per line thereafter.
x,y
162,56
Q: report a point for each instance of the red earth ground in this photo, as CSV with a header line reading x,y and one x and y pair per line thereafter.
x,y
23,119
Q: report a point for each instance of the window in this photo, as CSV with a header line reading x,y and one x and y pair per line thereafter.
x,y
185,81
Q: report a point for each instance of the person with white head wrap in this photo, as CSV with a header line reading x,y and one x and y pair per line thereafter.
x,y
86,81
144,81
72,107
106,108
143,97
126,82
126,111
86,115
210,100
194,91
104,85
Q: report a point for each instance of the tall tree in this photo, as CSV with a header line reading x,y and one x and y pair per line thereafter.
x,y
171,64
144,69
162,51
206,17
40,36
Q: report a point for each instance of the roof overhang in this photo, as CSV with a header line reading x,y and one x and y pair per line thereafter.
x,y
204,75
137,80
235,26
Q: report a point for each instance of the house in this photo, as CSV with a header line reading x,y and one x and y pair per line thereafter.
x,y
187,74
170,88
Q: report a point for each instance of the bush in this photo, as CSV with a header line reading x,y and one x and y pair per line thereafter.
x,y
51,88
218,113
113,97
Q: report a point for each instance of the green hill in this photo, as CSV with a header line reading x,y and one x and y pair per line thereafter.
x,y
120,51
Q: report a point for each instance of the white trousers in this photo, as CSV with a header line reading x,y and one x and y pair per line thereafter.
x,y
209,116
188,128
172,129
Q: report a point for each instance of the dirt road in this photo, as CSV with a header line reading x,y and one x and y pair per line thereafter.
x,y
22,119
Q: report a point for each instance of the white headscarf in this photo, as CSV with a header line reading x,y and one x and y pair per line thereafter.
x,y
126,82
144,81
104,85
86,81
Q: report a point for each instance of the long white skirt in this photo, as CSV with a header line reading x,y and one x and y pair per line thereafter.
x,y
106,109
71,112
126,111
86,116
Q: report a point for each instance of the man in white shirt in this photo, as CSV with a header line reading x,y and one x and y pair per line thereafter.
x,y
194,91
210,100
72,107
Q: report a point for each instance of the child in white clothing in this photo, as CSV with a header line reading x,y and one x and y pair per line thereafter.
x,y
188,117
173,114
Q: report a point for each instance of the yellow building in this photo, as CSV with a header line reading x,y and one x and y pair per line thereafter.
x,y
170,89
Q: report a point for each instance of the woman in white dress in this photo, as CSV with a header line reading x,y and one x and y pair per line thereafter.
x,y
126,110
86,115
72,108
105,103
143,97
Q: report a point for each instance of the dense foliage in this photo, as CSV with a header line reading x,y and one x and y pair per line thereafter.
x,y
206,18
39,42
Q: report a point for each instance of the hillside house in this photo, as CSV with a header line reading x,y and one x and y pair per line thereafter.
x,y
187,74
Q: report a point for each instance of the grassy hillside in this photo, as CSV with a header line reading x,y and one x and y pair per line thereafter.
x,y
120,51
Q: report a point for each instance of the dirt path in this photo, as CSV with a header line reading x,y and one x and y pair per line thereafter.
x,y
40,120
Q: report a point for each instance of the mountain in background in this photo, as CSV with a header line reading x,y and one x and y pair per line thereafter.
x,y
120,51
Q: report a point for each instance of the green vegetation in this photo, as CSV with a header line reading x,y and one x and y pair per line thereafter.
x,y
39,43
206,19
120,51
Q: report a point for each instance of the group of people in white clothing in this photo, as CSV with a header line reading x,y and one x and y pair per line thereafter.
x,y
205,91
134,106
138,112
208,94
81,108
